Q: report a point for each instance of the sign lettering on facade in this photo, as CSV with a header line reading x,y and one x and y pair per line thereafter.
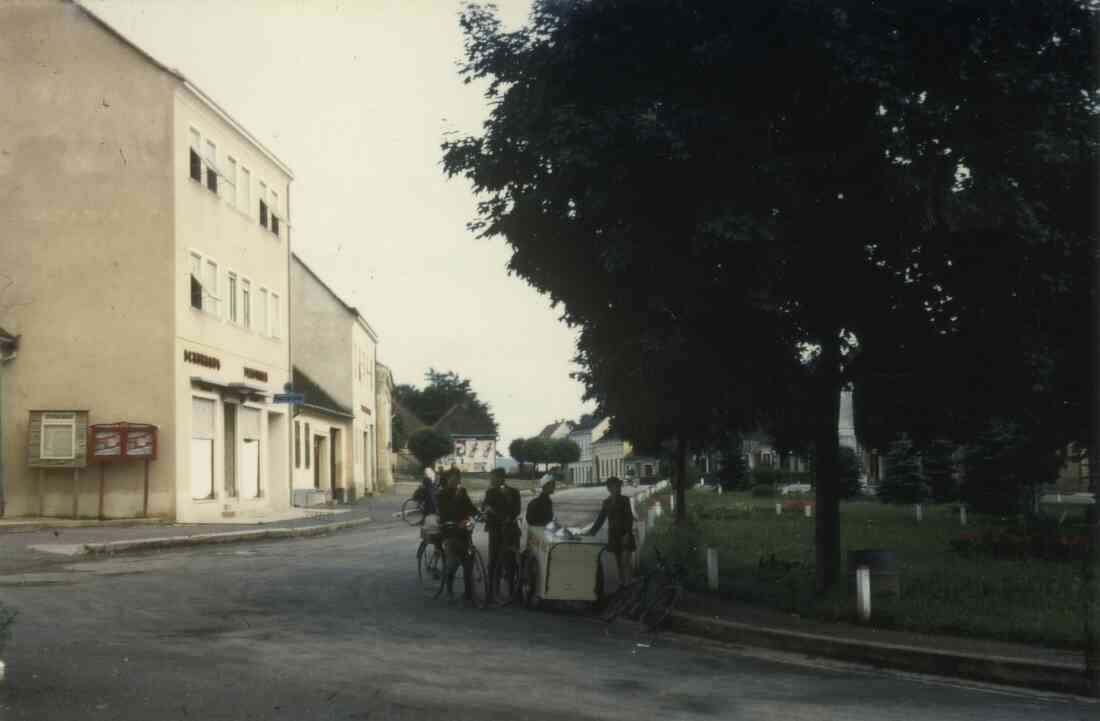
x,y
256,375
201,359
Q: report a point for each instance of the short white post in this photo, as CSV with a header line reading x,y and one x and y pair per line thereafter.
x,y
660,509
778,509
863,592
719,490
962,515
712,569
919,512
672,503
809,510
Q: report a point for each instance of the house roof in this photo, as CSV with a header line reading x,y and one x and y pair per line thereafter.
x,y
460,421
316,396
351,309
548,430
410,422
587,423
194,89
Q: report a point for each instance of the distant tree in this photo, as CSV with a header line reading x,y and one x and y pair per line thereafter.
x,y
734,473
428,446
938,464
904,481
539,451
1004,466
444,390
400,437
851,473
564,451
517,449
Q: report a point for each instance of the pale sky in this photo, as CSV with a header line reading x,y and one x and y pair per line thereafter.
x,y
355,96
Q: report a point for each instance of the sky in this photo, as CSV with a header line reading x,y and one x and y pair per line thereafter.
x,y
356,97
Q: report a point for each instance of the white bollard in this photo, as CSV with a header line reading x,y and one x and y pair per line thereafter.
x,y
809,511
962,515
863,592
660,510
719,490
672,503
919,511
712,569
779,509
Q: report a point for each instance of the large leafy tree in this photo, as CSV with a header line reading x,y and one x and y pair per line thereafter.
x,y
659,167
428,446
442,391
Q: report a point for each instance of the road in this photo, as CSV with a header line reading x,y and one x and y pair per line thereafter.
x,y
337,628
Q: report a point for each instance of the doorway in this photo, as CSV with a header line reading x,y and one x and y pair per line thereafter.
x,y
334,443
317,441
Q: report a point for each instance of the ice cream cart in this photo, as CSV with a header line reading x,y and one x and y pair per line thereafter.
x,y
559,564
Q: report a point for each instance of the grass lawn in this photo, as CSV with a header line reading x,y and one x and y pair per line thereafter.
x,y
1027,600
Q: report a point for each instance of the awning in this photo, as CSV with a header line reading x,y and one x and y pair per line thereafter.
x,y
243,389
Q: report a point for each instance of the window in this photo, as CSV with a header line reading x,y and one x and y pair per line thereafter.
x,y
263,203
196,281
276,316
249,422
58,436
275,212
261,312
297,444
210,287
246,303
231,180
245,196
231,295
202,448
196,161
211,167
309,442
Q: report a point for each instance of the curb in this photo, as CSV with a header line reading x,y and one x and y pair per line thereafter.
x,y
36,526
1063,678
200,539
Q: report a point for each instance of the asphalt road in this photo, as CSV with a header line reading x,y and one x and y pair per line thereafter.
x,y
337,628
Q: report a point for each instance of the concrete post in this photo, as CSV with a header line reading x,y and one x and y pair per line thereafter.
x,y
719,490
962,515
672,503
712,569
809,510
863,592
659,509
779,509
919,512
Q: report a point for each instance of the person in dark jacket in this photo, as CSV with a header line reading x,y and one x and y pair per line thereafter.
x,y
455,511
540,511
502,506
619,516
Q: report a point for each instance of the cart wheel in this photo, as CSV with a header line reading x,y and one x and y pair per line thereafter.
x,y
529,581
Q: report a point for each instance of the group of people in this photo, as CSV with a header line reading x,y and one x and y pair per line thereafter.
x,y
500,511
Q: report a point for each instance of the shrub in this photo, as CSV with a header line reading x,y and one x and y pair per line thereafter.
x,y
763,490
734,474
904,481
851,470
766,475
1003,466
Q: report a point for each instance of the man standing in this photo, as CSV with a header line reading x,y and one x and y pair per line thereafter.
x,y
540,511
455,511
501,506
616,511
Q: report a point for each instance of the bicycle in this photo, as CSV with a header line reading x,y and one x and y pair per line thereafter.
x,y
429,560
649,598
454,567
510,564
414,509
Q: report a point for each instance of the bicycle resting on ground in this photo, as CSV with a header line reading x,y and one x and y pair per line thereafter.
x,y
449,553
650,597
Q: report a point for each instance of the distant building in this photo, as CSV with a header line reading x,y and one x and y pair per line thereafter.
x,y
582,472
556,430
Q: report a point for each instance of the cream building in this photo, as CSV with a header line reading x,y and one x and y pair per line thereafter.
x,y
337,350
609,455
582,472
146,241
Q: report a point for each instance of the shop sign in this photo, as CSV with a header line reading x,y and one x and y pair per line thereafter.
x,y
201,359
256,375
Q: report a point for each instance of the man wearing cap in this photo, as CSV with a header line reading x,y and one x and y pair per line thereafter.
x,y
618,514
502,506
540,511
455,510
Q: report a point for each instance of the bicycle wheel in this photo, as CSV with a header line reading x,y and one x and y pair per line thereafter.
x,y
479,579
429,568
620,602
510,566
664,601
412,511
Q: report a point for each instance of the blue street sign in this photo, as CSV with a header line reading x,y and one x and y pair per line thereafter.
x,y
295,399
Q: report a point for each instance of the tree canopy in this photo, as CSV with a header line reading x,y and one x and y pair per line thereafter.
x,y
443,390
744,206
428,446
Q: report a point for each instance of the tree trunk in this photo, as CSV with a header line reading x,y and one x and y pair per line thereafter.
x,y
680,488
827,460
1092,556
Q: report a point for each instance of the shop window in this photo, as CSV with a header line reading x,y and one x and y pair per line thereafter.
x,y
202,448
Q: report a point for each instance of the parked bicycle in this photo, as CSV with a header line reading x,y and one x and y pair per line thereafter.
x,y
434,565
649,598
414,509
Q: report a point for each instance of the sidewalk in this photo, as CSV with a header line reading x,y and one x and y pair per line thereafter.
x,y
24,541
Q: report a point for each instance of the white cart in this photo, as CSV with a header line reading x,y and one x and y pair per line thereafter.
x,y
559,564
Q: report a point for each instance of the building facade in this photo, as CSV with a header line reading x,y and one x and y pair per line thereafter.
x,y
148,251
384,449
337,350
581,472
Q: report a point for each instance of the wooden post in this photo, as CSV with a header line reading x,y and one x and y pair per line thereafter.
x,y
145,497
863,592
76,491
712,569
102,470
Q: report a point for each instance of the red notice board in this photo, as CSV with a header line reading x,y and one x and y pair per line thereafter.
x,y
109,442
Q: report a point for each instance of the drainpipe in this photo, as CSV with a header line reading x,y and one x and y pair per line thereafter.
x,y
8,351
